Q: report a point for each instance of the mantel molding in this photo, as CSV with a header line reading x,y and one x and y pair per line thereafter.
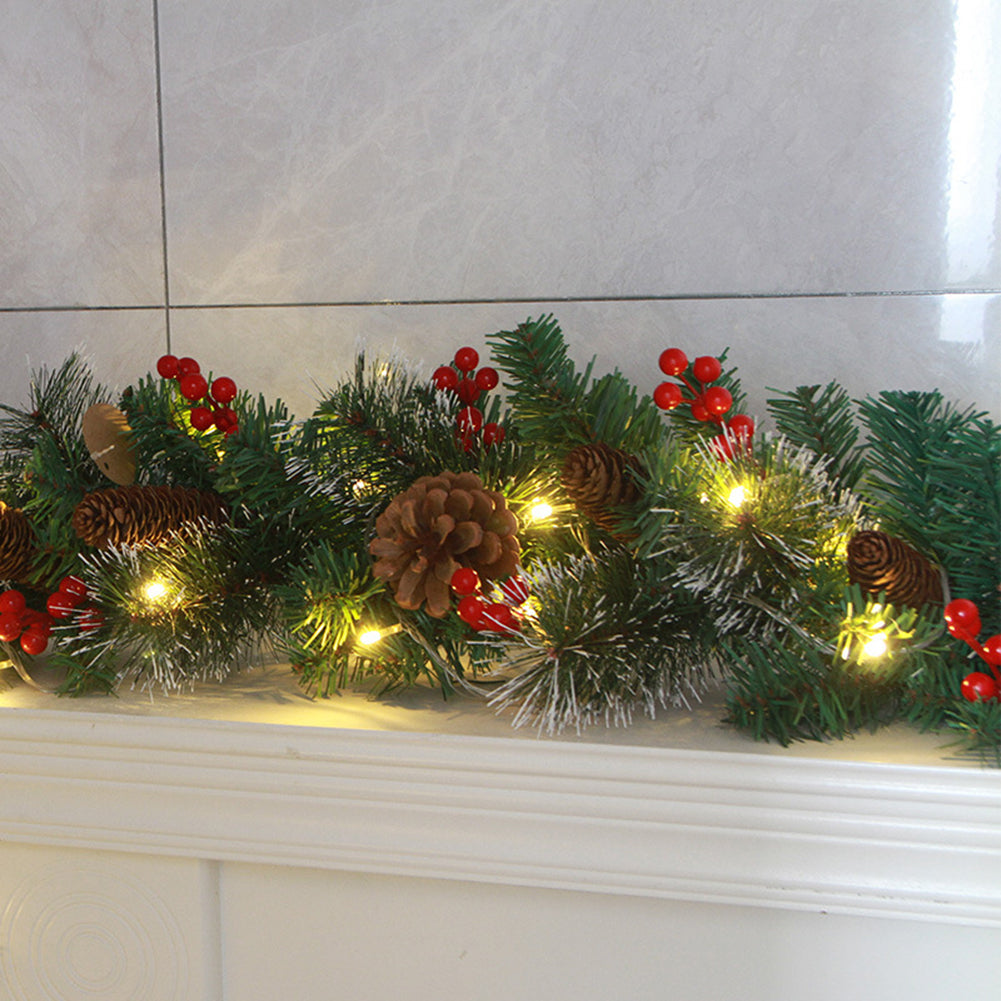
x,y
850,837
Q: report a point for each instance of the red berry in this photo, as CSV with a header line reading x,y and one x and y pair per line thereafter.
x,y
466,359
707,368
12,601
188,366
73,585
39,622
201,418
493,434
699,410
500,617
445,377
224,418
468,441
979,687
722,448
10,626
223,389
90,618
43,624
465,580
470,608
515,589
34,642
667,395
61,604
717,400
468,391
167,366
962,618
469,419
673,361
741,427
487,379
991,651
194,386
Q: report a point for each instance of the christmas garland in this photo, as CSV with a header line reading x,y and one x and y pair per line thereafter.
x,y
568,548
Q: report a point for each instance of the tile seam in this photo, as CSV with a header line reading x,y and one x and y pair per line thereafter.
x,y
511,300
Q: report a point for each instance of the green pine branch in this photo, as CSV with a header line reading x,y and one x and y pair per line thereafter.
x,y
753,537
934,479
169,451
607,637
559,408
215,614
822,419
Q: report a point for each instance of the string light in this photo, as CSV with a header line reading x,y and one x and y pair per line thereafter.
x,y
875,646
540,510
155,590
369,637
737,496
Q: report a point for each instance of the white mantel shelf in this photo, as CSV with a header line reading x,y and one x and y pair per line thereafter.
x,y
679,807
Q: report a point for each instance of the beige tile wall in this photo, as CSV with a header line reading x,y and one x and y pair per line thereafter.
x,y
266,183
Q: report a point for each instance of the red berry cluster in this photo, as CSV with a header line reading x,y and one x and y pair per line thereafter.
x,y
488,616
467,383
212,406
34,628
18,621
707,402
962,619
72,596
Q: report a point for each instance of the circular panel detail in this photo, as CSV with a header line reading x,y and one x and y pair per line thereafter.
x,y
70,933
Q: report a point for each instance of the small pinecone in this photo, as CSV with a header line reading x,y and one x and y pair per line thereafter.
x,y
879,562
137,515
439,524
17,544
599,479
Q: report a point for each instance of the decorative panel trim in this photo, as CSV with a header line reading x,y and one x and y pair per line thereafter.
x,y
825,836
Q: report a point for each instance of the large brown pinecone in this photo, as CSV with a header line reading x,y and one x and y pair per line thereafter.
x,y
880,562
17,544
138,515
598,479
439,524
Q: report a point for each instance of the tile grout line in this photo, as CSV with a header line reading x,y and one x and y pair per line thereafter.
x,y
512,300
163,183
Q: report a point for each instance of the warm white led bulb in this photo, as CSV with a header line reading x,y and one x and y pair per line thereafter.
x,y
875,646
737,496
540,510
369,637
155,590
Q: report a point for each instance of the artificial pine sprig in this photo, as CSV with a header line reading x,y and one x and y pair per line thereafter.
x,y
822,419
195,609
934,478
46,463
558,408
171,451
388,424
608,637
324,601
749,535
857,675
